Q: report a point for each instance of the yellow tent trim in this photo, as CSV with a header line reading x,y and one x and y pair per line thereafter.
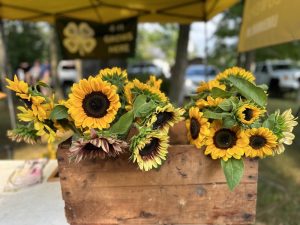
x,y
105,11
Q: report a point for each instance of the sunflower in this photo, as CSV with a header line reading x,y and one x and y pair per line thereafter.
x,y
225,143
135,88
236,71
128,95
2,95
115,76
96,147
208,86
260,142
197,127
285,123
153,82
209,102
248,113
165,117
23,133
93,103
20,87
149,149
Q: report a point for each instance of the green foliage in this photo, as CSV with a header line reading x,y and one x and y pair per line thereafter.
x,y
161,37
59,112
219,93
122,126
233,170
141,107
249,90
215,115
25,42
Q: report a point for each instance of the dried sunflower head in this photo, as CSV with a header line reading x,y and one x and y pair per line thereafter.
x,y
96,147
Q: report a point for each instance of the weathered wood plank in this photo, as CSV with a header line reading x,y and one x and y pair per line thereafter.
x,y
187,204
189,188
185,165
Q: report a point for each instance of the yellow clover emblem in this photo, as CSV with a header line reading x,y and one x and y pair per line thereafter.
x,y
79,38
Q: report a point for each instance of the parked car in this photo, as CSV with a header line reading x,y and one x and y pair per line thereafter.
x,y
67,75
195,74
280,75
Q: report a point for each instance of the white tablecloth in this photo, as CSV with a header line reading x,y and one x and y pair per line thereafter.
x,y
41,204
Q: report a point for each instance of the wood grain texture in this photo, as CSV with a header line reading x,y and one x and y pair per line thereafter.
x,y
189,188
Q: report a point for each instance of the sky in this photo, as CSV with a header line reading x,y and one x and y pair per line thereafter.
x,y
197,37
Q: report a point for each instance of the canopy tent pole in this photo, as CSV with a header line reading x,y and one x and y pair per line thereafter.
x,y
5,73
54,60
178,73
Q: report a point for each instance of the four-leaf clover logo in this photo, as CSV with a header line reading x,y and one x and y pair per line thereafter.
x,y
79,38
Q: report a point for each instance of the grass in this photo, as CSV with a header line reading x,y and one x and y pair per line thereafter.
x,y
278,200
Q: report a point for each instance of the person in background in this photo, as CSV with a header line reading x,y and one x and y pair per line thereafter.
x,y
23,72
45,76
35,72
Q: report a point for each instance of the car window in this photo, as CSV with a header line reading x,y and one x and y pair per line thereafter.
x,y
264,69
201,71
68,67
282,67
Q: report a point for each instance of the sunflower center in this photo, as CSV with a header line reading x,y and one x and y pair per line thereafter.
x,y
224,139
90,148
150,149
257,141
194,128
162,119
248,114
95,104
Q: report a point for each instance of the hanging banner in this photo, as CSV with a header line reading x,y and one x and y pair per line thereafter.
x,y
86,40
269,22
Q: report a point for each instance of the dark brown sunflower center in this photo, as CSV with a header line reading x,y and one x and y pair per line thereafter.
x,y
91,148
194,128
248,114
257,141
150,149
224,139
162,119
95,104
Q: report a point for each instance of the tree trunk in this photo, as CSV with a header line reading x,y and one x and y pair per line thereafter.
x,y
178,73
249,59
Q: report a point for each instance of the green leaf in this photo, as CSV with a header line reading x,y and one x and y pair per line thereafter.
x,y
123,125
214,115
270,122
233,170
219,93
141,107
229,122
249,90
59,112
140,100
42,84
226,105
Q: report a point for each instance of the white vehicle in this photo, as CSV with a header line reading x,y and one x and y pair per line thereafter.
x,y
67,75
194,74
280,75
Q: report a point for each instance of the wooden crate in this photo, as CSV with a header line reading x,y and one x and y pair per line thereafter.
x,y
189,188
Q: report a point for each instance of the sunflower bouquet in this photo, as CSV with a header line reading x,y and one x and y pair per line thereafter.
x,y
228,120
102,111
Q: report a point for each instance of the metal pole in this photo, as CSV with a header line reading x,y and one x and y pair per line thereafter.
x,y
5,73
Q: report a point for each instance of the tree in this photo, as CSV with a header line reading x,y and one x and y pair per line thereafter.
x,y
157,41
25,42
225,52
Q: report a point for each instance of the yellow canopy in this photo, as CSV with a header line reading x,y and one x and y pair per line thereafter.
x,y
268,23
105,11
